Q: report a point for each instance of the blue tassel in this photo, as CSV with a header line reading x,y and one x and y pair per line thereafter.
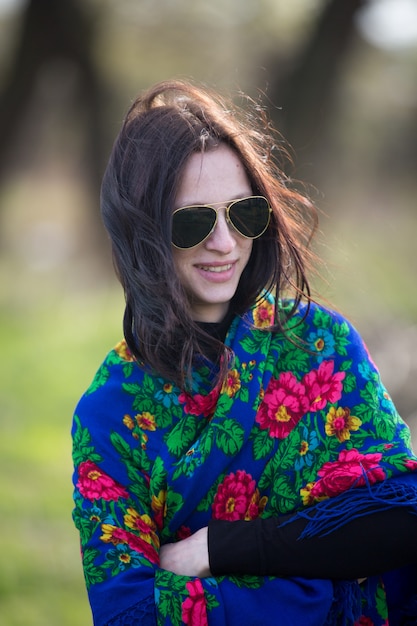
x,y
346,608
329,515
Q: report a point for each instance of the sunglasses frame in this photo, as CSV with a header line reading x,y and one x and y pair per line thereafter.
x,y
228,220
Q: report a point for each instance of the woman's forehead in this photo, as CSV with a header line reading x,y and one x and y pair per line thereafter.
x,y
213,176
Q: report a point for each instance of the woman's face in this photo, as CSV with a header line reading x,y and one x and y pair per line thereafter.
x,y
210,272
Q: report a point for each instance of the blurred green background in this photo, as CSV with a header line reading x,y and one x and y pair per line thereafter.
x,y
339,79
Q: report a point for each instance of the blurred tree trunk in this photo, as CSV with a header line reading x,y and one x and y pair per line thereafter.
x,y
305,93
51,30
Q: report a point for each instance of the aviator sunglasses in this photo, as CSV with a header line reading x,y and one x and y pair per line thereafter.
x,y
192,225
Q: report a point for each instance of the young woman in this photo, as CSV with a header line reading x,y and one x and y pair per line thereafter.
x,y
237,458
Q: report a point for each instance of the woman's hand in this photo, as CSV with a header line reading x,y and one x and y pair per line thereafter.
x,y
188,557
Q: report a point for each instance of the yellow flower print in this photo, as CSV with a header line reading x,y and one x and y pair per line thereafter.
x,y
310,495
256,506
232,383
340,423
158,506
144,524
263,315
112,534
123,351
305,493
146,421
128,421
282,415
125,558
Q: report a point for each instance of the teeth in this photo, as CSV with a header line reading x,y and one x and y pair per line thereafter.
x,y
218,268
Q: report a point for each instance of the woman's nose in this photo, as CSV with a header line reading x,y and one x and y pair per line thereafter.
x,y
222,238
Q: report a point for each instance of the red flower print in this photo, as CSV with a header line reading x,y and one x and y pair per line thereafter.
x,y
95,484
234,495
143,547
322,386
194,610
411,464
158,505
364,621
113,534
256,506
198,404
309,496
284,404
349,470
183,532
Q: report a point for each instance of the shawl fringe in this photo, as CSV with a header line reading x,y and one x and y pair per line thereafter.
x,y
330,515
346,608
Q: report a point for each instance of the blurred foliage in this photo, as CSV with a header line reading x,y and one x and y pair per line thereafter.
x,y
60,306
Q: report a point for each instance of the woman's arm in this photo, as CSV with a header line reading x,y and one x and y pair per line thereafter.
x,y
375,543
365,546
189,557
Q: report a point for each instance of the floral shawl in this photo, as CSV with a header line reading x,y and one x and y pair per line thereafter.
x,y
295,424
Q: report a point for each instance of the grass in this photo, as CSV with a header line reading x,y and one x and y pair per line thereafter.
x,y
50,353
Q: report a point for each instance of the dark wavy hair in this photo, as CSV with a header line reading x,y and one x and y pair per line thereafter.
x,y
162,129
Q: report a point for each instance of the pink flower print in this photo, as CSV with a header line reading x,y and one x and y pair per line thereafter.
x,y
411,464
198,404
284,404
234,496
194,609
352,469
113,534
94,484
322,386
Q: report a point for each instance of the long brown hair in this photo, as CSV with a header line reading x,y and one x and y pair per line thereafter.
x,y
162,129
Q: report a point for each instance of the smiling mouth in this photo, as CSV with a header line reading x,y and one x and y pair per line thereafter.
x,y
216,268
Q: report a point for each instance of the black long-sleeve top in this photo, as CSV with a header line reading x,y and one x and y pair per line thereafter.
x,y
268,547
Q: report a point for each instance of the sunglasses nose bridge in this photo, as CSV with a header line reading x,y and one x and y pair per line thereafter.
x,y
220,236
222,212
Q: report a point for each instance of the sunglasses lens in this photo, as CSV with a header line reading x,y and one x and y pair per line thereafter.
x,y
250,216
191,225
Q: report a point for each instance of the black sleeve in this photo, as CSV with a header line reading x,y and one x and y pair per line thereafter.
x,y
365,546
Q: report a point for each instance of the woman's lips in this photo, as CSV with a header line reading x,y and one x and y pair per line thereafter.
x,y
216,272
216,268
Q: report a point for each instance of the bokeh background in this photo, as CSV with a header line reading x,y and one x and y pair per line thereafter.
x,y
339,79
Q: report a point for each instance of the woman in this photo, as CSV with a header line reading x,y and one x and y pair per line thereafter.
x,y
235,402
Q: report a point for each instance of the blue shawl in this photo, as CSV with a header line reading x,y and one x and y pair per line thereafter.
x,y
302,419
